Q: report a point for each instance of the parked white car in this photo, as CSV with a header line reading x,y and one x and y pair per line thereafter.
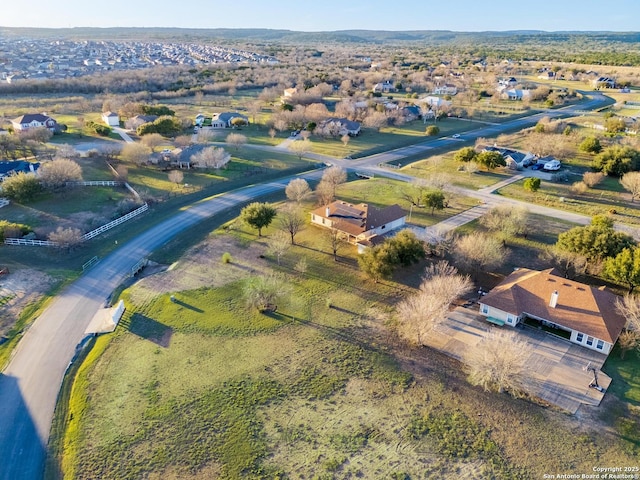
x,y
552,165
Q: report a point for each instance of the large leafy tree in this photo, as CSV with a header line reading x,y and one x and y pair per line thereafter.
x,y
617,160
490,160
624,268
378,262
435,200
466,154
258,215
22,187
407,248
590,145
596,241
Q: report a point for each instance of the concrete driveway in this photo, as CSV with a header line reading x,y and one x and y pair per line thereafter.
x,y
555,370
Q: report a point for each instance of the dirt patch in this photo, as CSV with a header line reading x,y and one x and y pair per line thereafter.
x,y
202,266
19,289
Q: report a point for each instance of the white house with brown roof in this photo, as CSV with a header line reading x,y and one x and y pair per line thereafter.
x,y
585,315
359,223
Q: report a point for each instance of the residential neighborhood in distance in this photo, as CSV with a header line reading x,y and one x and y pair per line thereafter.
x,y
40,59
341,253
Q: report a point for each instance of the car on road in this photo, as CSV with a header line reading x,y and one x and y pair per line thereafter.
x,y
553,165
166,151
537,166
455,135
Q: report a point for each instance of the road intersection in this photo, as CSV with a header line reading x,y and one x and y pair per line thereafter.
x,y
30,384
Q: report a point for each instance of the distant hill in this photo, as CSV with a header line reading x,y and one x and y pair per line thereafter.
x,y
432,37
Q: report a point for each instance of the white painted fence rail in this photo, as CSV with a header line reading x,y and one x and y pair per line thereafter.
x,y
22,241
86,236
115,223
95,183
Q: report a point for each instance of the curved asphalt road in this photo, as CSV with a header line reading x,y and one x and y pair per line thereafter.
x,y
30,384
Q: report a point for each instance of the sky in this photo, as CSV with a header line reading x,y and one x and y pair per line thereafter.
x,y
329,15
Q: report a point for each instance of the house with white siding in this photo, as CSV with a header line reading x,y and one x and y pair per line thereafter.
x,y
360,223
580,313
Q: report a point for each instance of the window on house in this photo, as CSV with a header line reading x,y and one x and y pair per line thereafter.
x,y
590,341
485,309
600,345
579,337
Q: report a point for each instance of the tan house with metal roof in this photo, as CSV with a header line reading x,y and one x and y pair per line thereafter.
x,y
583,314
359,223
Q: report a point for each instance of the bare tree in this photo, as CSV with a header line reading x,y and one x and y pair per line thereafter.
x,y
55,174
291,220
66,237
631,182
345,139
335,239
66,151
297,190
591,179
479,251
236,140
334,176
569,263
176,176
325,193
375,120
254,108
278,244
183,141
629,308
471,167
628,340
507,221
152,140
422,312
272,133
300,148
206,135
211,157
135,153
122,172
497,363
261,292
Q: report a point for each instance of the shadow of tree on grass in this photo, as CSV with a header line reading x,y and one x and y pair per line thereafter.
x,y
150,329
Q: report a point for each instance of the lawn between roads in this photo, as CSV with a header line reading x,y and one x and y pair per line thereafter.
x,y
319,389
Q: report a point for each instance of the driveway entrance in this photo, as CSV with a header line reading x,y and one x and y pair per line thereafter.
x,y
555,370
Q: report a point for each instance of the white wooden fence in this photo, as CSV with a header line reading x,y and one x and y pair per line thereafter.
x,y
95,183
86,236
115,223
22,241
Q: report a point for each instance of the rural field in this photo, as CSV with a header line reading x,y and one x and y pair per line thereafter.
x,y
203,387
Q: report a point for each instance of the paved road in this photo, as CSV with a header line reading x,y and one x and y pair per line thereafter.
x,y
122,132
30,384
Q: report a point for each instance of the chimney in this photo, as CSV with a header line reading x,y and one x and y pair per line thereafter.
x,y
554,299
327,212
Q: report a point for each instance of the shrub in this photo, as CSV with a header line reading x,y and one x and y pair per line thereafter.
x,y
22,187
226,257
12,230
98,128
432,130
531,184
578,188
